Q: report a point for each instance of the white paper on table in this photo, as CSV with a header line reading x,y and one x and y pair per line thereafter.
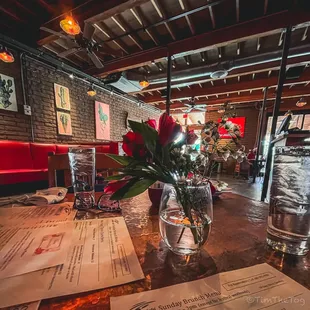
x,y
257,287
28,306
61,212
34,247
101,255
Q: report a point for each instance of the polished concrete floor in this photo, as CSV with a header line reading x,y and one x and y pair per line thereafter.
x,y
243,187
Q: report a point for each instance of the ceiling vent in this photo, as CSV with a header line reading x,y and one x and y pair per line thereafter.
x,y
219,74
121,82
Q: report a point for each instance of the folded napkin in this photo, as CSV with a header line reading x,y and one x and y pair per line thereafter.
x,y
40,198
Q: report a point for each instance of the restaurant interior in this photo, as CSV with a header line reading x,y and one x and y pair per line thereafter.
x,y
207,99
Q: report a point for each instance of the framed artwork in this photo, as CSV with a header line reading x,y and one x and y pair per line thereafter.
x,y
102,118
7,93
240,121
62,97
64,123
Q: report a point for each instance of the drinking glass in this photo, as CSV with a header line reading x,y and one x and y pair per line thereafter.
x,y
82,166
289,212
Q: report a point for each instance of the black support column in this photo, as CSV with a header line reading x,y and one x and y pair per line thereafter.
x,y
282,75
168,99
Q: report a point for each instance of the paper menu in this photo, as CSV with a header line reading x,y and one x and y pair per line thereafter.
x,y
27,306
37,215
101,255
33,247
258,287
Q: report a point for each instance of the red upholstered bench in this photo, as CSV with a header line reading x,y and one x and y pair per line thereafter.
x,y
22,162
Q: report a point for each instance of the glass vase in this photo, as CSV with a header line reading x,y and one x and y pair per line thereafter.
x,y
185,217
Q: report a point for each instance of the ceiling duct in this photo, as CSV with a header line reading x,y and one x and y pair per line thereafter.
x,y
121,82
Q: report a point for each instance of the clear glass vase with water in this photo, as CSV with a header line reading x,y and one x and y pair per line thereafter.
x,y
289,212
185,229
83,172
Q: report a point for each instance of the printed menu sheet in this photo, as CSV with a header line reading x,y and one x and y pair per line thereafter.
x,y
255,288
28,306
61,212
101,255
33,247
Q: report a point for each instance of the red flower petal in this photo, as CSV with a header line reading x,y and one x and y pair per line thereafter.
x,y
152,123
168,129
113,186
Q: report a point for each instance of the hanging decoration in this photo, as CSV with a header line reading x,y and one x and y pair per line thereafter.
x,y
6,55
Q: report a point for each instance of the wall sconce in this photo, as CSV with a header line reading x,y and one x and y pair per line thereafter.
x,y
6,55
91,91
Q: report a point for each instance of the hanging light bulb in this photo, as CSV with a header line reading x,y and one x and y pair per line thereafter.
x,y
301,102
144,83
91,91
70,26
221,110
6,55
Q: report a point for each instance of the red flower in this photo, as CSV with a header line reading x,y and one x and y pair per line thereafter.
x,y
112,187
190,175
191,137
133,143
152,123
168,129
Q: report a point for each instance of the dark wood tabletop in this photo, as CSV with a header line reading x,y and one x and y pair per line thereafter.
x,y
237,240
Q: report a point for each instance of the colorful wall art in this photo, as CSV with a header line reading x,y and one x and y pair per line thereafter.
x,y
64,123
7,93
239,121
102,117
62,97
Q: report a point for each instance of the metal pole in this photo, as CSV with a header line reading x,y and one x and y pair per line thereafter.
x,y
169,66
282,76
260,133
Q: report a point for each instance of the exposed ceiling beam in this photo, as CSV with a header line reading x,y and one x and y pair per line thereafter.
x,y
88,12
238,11
137,12
263,67
244,98
185,7
162,14
266,25
231,88
212,17
120,21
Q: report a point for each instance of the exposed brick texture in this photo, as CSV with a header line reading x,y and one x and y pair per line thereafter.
x,y
39,85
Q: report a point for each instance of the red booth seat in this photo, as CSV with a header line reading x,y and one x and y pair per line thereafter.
x,y
27,162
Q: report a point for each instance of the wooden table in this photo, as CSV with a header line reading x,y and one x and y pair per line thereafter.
x,y
237,240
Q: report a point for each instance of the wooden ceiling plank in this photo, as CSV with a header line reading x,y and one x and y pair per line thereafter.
x,y
120,21
212,17
12,15
265,7
265,25
162,14
238,11
185,7
242,86
47,6
145,22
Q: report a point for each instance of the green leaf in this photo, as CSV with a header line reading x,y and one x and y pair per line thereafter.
x,y
149,134
115,177
123,160
132,189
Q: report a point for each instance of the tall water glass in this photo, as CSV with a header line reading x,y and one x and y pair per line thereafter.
x,y
82,166
289,212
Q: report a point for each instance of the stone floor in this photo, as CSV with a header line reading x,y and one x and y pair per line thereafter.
x,y
243,187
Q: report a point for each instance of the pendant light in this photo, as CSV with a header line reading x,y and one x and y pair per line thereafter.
x,y
144,83
301,102
91,91
6,55
70,26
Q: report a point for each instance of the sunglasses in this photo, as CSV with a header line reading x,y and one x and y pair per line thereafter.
x,y
84,201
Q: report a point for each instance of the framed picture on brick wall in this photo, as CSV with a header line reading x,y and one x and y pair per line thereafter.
x,y
7,93
64,123
62,97
102,118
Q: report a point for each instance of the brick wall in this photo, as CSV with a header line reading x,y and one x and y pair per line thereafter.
x,y
39,84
